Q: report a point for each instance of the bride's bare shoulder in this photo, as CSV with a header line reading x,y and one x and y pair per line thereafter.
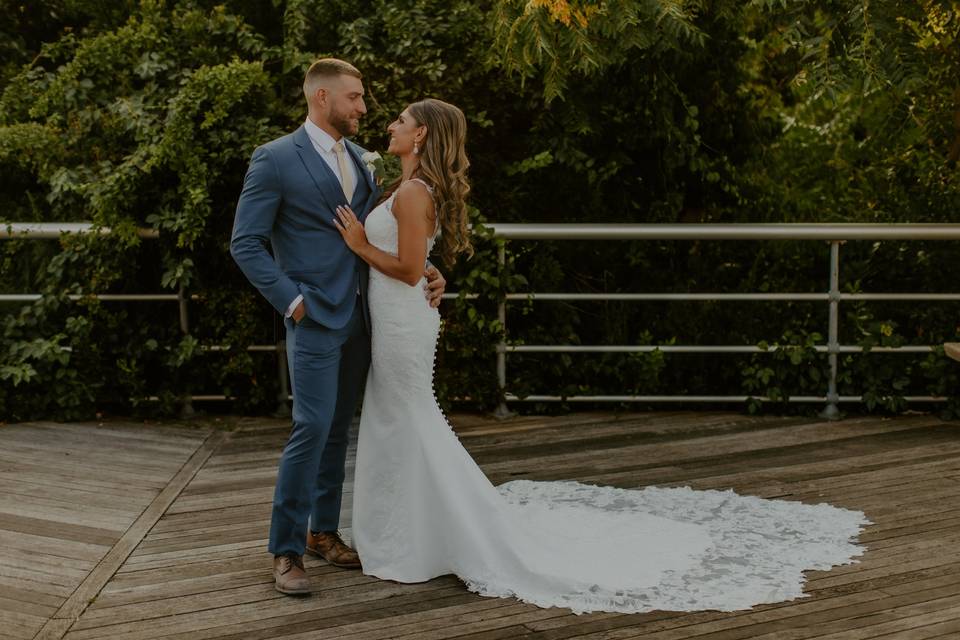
x,y
413,197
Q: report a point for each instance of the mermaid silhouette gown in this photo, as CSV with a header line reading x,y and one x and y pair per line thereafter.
x,y
422,508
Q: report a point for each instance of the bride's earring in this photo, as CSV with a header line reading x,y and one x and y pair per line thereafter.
x,y
416,148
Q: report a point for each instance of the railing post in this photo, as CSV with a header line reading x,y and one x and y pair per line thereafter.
x,y
186,402
502,412
832,410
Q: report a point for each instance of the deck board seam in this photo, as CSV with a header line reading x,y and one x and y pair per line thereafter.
x,y
71,610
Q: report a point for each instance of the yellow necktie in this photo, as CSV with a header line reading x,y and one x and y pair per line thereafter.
x,y
346,178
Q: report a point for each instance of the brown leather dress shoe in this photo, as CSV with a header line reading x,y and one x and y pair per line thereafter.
x,y
289,575
331,547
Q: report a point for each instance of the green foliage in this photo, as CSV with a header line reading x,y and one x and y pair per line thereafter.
x,y
466,355
145,113
562,40
792,367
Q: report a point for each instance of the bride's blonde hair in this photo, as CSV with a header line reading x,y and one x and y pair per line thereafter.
x,y
444,164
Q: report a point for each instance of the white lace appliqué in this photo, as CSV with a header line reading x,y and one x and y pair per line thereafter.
x,y
758,549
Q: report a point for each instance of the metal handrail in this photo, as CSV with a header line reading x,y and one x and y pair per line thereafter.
x,y
53,230
759,231
833,233
827,231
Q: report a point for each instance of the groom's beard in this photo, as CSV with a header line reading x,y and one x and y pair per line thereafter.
x,y
345,125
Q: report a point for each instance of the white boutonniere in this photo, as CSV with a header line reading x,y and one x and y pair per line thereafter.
x,y
374,165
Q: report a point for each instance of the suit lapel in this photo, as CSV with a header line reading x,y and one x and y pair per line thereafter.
x,y
325,180
361,167
362,207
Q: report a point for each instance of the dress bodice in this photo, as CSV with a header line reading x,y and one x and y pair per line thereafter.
x,y
381,225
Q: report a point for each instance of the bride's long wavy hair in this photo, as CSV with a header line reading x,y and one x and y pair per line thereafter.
x,y
443,165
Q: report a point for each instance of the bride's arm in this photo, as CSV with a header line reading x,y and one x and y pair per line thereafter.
x,y
412,207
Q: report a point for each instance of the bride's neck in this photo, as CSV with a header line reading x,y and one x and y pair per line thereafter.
x,y
408,166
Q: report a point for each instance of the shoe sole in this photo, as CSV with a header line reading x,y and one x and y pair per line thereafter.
x,y
293,592
317,554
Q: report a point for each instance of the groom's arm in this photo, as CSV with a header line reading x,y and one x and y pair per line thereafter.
x,y
256,211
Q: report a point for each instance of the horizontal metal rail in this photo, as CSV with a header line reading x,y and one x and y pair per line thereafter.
x,y
510,231
53,230
641,348
710,399
834,233
106,297
722,297
626,398
567,297
737,348
765,231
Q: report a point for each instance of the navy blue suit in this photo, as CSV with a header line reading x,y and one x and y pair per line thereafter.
x,y
288,201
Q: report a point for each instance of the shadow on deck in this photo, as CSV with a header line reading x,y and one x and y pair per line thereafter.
x,y
131,531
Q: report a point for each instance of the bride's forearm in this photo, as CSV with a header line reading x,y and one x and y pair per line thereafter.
x,y
390,265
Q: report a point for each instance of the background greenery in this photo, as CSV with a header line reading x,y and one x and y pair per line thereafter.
x,y
144,114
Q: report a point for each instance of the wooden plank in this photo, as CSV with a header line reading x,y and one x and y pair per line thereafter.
x,y
58,511
270,604
10,584
82,482
55,529
20,625
43,561
71,494
324,622
32,608
18,593
94,582
64,547
505,619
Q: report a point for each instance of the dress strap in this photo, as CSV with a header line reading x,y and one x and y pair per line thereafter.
x,y
423,182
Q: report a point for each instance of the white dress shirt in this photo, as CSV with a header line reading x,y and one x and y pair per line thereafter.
x,y
323,143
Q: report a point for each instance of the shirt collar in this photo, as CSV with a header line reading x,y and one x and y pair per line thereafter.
x,y
319,137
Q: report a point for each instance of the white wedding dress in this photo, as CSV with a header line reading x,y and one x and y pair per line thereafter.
x,y
422,508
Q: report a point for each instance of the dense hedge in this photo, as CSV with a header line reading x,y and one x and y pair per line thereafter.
x,y
144,114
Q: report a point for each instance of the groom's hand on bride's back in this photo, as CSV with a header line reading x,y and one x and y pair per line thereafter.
x,y
436,285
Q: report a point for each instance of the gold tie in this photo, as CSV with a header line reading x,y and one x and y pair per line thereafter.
x,y
346,178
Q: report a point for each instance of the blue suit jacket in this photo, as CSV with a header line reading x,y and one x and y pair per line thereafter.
x,y
288,199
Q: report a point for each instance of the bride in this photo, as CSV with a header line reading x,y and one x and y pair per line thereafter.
x,y
422,508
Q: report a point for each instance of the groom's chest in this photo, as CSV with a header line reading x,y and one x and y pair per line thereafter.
x,y
313,187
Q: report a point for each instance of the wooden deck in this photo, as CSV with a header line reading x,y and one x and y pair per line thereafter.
x,y
132,531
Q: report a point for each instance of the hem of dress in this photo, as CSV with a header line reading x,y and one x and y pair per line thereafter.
x,y
386,576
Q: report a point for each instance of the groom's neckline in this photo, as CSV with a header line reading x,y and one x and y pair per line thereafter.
x,y
319,137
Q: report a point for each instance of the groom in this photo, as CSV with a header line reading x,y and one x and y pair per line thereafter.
x,y
292,188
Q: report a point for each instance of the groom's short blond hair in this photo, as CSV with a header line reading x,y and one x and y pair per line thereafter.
x,y
325,69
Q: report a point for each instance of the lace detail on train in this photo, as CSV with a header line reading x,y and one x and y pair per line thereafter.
x,y
422,508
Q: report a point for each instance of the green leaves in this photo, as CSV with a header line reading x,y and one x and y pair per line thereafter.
x,y
178,273
560,41
790,367
132,114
